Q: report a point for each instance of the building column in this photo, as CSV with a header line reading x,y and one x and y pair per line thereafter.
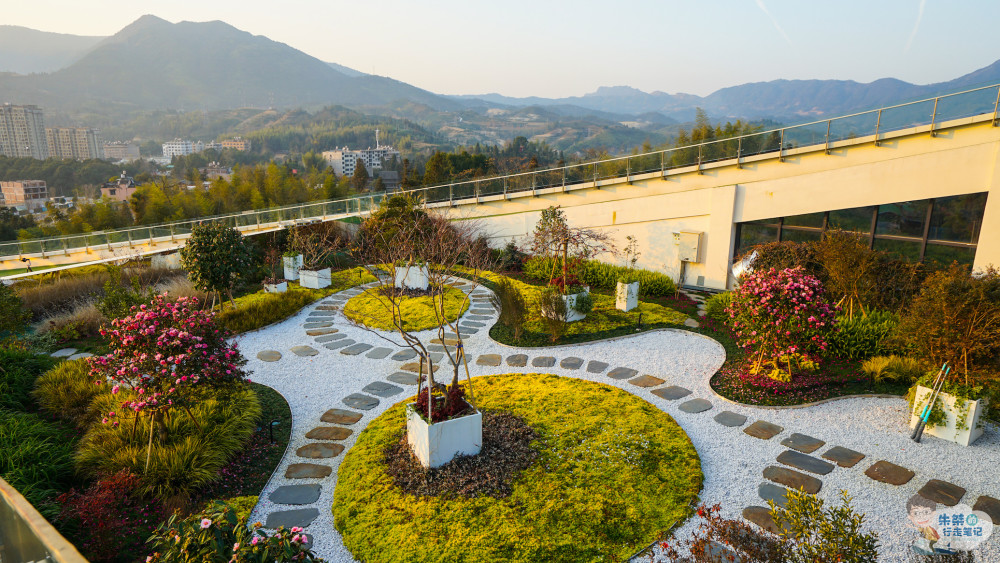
x,y
720,237
988,248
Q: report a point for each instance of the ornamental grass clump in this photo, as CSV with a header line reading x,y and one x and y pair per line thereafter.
x,y
781,318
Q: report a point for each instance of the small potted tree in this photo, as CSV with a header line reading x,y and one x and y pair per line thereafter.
x,y
317,242
274,283
627,290
292,261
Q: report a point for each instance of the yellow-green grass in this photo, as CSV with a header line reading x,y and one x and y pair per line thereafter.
x,y
260,309
417,313
613,472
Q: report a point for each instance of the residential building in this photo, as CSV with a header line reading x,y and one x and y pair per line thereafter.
x,y
118,151
74,143
237,143
181,147
29,194
344,160
119,190
215,170
22,132
390,179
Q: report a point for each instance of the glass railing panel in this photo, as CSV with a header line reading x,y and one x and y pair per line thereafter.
x,y
117,237
642,164
906,116
9,249
853,127
761,143
966,104
612,168
683,156
51,245
805,135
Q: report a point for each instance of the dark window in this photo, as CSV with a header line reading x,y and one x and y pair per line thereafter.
x,y
810,220
904,249
857,219
958,218
800,236
904,219
752,235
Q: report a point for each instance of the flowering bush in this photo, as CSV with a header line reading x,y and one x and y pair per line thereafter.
x,y
167,353
219,535
781,317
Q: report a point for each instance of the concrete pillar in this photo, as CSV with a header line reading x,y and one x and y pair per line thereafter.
x,y
988,249
720,237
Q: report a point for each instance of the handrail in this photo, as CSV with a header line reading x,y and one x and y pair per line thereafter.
x,y
883,120
26,536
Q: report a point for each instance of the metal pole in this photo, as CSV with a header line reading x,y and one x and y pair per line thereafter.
x,y
451,195
699,159
739,152
781,147
828,135
878,123
934,117
996,105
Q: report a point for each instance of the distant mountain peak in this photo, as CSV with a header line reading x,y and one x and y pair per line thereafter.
x,y
605,91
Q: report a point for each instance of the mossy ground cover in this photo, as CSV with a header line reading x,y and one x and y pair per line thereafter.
x,y
372,309
613,473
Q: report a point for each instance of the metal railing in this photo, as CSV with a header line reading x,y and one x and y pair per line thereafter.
x,y
26,536
822,135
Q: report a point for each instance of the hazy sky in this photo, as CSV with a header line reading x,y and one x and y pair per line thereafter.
x,y
557,48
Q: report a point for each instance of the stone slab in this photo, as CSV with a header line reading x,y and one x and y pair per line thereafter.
x,y
491,360
445,342
382,389
319,451
304,351
761,516
517,360
378,353
63,353
336,344
621,373
843,456
404,378
340,416
81,356
324,324
329,433
646,381
695,406
320,331
472,324
476,317
295,494
359,401
327,308
415,367
571,363
803,443
770,491
330,338
300,517
890,473
319,315
543,362
672,393
269,355
793,479
730,418
466,331
307,471
596,367
355,349
799,460
482,312
989,505
942,492
404,355
435,348
763,430
691,323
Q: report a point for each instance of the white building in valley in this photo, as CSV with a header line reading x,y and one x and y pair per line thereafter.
x,y
344,160
181,147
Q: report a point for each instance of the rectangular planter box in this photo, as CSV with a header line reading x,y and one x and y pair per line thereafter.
x,y
292,265
627,296
413,277
949,431
437,444
315,279
276,287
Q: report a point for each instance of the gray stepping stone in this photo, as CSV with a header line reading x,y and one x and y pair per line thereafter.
x,y
329,433
691,323
382,389
646,381
942,492
415,367
491,360
404,355
319,451
672,393
435,348
482,312
322,314
770,491
989,505
621,373
324,324
295,494
404,378
571,363
327,308
730,418
596,367
476,317
543,362
695,406
304,351
330,337
517,360
320,331
64,353
802,443
340,416
80,356
799,460
886,472
269,355
378,353
355,349
300,517
359,401
761,516
763,430
472,324
336,344
468,331
435,356
793,479
308,471
843,456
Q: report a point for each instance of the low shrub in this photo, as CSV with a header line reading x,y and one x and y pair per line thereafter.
x,y
82,319
552,309
13,315
600,275
893,368
583,303
36,458
51,293
716,307
509,258
18,371
121,294
511,303
67,391
864,336
375,310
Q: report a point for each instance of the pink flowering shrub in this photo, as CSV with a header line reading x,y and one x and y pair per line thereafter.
x,y
782,318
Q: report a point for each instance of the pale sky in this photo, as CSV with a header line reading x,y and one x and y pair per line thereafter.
x,y
556,48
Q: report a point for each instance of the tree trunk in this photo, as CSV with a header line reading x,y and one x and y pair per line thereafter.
x,y
565,264
161,427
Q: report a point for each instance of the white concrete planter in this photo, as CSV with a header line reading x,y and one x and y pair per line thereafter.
x,y
276,287
627,296
413,277
572,315
949,430
437,444
315,279
292,265
170,261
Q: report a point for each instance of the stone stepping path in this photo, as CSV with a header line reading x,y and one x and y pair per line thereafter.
x,y
360,402
295,494
337,344
890,473
330,337
269,355
571,363
476,317
355,349
942,492
304,351
799,460
517,360
763,430
81,356
672,393
491,360
64,353
300,517
695,406
320,331
620,373
382,389
792,479
340,416
772,492
802,443
760,515
319,451
729,418
594,366
329,433
843,456
404,378
472,324
543,362
404,355
415,367
324,324
378,353
646,381
989,505
308,471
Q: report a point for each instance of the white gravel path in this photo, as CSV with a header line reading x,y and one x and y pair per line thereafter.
x,y
731,461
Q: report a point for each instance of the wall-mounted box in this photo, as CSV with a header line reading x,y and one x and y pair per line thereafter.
x,y
689,246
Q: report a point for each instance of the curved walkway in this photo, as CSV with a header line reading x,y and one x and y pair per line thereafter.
x,y
337,377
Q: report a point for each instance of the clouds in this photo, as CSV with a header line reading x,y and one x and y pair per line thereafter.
x,y
916,25
763,8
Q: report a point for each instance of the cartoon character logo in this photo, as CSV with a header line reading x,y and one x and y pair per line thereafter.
x,y
920,512
948,529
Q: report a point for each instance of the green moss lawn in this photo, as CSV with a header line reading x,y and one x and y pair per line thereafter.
x,y
372,309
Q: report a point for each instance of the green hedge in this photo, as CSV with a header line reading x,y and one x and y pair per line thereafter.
x,y
600,275
864,336
716,305
36,458
67,392
18,371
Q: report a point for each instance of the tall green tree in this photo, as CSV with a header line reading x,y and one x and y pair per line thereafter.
x,y
216,258
359,181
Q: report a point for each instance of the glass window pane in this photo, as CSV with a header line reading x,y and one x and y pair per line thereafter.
x,y
902,219
857,219
751,235
945,255
800,236
810,220
904,249
772,221
957,218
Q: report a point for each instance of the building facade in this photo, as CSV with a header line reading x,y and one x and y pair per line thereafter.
x,y
181,147
74,143
344,160
22,132
119,190
237,143
118,151
29,194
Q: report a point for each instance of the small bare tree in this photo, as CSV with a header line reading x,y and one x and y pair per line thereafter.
x,y
554,238
318,241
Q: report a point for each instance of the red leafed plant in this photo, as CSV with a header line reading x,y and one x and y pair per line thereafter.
x,y
564,283
453,407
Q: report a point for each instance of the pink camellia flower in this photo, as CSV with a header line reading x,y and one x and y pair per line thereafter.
x,y
296,530
205,523
255,540
236,547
